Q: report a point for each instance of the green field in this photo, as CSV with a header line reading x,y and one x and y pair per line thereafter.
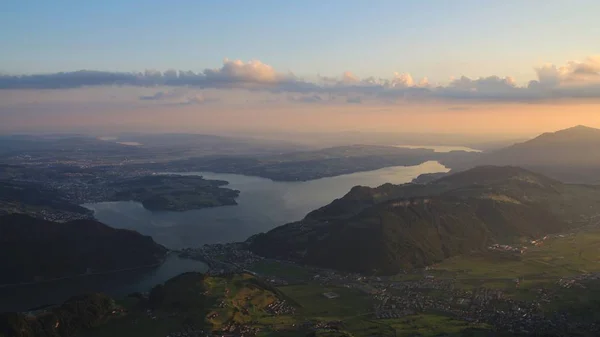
x,y
555,258
314,304
199,301
421,325
433,325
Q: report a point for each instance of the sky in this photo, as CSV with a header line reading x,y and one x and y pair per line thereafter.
x,y
467,66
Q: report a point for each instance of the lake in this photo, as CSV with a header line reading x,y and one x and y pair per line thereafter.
x,y
262,205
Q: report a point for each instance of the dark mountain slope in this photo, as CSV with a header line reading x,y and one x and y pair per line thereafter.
x,y
32,249
392,227
69,319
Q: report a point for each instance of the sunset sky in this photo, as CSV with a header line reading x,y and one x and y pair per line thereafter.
x,y
492,67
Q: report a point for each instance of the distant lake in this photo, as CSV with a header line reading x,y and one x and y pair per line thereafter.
x,y
262,205
439,148
20,298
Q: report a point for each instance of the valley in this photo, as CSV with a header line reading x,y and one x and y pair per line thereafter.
x,y
486,250
460,297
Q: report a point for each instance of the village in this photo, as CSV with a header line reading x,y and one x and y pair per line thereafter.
x,y
399,298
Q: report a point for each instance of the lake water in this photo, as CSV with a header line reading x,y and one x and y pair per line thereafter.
x,y
262,205
440,148
20,298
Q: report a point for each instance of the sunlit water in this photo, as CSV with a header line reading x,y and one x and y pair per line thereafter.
x,y
262,205
439,148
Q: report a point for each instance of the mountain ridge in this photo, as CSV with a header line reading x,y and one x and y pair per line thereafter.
x,y
394,227
570,155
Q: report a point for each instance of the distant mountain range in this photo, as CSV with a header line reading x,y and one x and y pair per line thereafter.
x,y
570,155
33,249
385,229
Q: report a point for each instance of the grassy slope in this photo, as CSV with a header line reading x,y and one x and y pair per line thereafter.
x,y
555,257
197,301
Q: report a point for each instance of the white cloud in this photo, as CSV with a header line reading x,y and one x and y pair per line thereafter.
x,y
402,80
573,73
423,83
251,72
349,78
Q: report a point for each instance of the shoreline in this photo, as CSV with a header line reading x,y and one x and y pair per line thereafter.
x,y
282,178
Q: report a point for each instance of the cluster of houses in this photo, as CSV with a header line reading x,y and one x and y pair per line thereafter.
x,y
280,308
223,258
577,281
507,249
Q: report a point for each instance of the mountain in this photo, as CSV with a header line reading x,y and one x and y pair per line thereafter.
x,y
33,249
393,227
570,155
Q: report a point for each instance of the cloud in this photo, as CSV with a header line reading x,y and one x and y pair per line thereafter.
x,y
233,74
575,79
349,78
253,72
178,96
402,81
162,96
492,87
573,73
